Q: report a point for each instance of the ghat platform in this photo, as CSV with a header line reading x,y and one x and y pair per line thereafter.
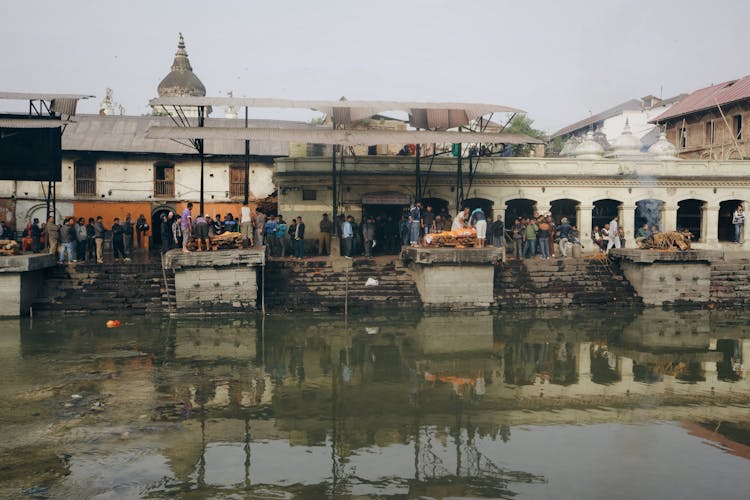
x,y
458,278
21,279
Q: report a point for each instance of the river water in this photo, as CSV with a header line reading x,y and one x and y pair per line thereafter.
x,y
544,404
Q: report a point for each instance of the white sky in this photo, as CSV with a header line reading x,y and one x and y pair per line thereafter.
x,y
558,60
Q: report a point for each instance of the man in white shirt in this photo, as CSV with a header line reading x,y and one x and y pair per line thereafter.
x,y
614,233
246,224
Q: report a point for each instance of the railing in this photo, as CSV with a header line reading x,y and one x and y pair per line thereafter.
x,y
163,189
237,189
85,187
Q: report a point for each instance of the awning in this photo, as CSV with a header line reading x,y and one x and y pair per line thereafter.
x,y
27,123
343,137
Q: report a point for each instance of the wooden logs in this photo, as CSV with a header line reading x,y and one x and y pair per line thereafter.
x,y
459,238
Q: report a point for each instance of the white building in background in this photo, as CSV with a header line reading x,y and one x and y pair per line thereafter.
x,y
609,124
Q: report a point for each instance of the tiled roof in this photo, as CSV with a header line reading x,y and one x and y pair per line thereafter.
x,y
709,97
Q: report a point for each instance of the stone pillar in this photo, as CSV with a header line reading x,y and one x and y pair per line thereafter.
x,y
710,227
709,371
669,218
583,361
625,368
745,350
627,221
583,220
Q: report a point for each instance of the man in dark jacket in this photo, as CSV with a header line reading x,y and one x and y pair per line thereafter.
x,y
36,236
90,242
299,239
368,234
118,246
128,236
67,240
81,239
165,232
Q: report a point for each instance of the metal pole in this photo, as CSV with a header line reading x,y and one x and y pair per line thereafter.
x,y
247,165
459,179
201,121
418,172
334,191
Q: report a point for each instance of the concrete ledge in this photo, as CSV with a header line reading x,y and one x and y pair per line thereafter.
x,y
639,256
250,257
451,256
28,262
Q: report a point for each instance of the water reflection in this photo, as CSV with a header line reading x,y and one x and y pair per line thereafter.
x,y
398,404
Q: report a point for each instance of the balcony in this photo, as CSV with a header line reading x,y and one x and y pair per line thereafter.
x,y
163,189
237,189
85,187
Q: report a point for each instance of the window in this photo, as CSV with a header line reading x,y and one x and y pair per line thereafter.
x,y
237,181
164,179
683,137
85,178
738,127
710,132
309,195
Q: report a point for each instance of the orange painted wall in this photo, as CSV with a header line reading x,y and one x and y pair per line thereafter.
x,y
110,210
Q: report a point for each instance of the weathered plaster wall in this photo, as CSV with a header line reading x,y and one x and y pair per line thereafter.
x,y
670,282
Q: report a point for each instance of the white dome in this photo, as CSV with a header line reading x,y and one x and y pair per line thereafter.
x,y
589,149
662,149
569,147
627,144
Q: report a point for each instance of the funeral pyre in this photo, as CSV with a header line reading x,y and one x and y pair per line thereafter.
x,y
458,238
669,240
224,241
9,247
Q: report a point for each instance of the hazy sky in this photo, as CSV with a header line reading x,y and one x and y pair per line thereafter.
x,y
558,60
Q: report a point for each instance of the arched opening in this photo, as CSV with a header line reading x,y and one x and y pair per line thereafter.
x,y
648,212
726,213
566,208
483,203
603,212
689,216
156,214
386,208
519,207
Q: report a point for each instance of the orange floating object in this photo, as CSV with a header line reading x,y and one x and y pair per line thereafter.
x,y
113,323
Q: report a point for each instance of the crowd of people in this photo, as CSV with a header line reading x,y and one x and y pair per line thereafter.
x,y
76,239
537,235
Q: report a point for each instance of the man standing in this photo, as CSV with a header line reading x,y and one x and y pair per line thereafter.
x,y
281,235
246,225
201,232
738,220
529,246
270,231
428,220
497,231
118,246
67,240
128,235
141,226
324,238
299,239
368,234
90,242
81,239
518,235
36,236
260,224
165,232
347,236
415,224
564,231
186,226
614,233
99,231
52,234
479,221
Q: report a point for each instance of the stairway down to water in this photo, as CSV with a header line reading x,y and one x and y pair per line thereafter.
x,y
730,283
125,288
561,283
314,285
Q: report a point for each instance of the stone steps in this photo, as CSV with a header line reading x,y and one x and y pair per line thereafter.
x,y
560,283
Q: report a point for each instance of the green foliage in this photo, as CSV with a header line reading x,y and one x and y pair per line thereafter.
x,y
522,124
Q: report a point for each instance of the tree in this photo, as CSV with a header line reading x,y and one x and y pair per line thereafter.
x,y
522,124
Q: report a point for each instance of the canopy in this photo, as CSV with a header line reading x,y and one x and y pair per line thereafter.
x,y
426,115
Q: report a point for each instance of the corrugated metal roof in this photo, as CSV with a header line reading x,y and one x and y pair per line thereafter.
x,y
25,96
345,137
432,115
127,134
709,97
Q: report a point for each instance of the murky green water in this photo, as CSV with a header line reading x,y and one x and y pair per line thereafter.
x,y
603,404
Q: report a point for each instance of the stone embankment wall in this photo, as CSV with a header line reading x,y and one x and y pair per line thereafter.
x,y
561,283
90,288
317,285
730,283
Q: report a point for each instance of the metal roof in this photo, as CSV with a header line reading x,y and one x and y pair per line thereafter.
x,y
707,98
127,134
429,115
338,136
23,96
